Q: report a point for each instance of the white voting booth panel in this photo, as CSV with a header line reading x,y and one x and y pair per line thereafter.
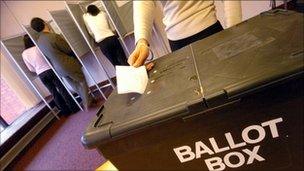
x,y
122,16
70,32
76,11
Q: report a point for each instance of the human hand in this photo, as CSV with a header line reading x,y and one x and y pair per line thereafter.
x,y
140,54
149,66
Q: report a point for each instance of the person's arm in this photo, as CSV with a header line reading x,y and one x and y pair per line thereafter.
x,y
233,12
28,65
143,21
87,26
143,17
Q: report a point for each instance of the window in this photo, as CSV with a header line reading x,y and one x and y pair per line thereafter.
x,y
11,106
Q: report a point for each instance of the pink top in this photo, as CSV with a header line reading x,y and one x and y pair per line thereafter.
x,y
34,60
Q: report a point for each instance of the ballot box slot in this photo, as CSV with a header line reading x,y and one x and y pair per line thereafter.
x,y
276,12
297,54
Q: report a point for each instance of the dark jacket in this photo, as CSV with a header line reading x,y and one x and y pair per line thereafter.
x,y
60,55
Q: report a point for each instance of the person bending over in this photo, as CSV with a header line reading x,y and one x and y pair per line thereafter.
x,y
58,52
98,27
185,22
35,62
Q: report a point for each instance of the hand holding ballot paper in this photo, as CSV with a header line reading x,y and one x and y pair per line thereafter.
x,y
131,79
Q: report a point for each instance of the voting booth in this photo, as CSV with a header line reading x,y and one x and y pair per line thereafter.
x,y
232,101
79,46
14,47
34,36
101,63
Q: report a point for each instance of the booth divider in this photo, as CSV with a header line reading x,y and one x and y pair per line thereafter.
x,y
123,28
33,35
75,13
73,38
14,49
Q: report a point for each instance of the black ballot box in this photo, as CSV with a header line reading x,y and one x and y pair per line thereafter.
x,y
233,101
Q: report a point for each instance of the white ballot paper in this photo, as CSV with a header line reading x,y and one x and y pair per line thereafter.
x,y
131,79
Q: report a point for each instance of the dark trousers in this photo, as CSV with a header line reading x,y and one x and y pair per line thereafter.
x,y
175,45
78,82
113,50
61,96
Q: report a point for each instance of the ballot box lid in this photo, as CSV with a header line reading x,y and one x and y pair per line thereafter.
x,y
248,57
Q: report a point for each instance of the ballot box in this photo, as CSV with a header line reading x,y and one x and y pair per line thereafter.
x,y
233,101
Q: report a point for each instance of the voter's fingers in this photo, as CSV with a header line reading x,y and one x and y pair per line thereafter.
x,y
139,56
142,56
133,57
149,66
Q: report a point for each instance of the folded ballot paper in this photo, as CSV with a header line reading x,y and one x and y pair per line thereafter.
x,y
131,79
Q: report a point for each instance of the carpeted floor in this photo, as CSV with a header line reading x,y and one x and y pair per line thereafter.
x,y
60,148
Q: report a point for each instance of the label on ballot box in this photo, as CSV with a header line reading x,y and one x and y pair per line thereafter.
x,y
233,150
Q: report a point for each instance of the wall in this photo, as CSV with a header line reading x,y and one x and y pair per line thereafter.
x,y
9,26
33,9
24,11
11,105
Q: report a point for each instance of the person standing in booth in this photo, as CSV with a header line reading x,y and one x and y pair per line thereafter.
x,y
185,22
36,63
98,27
59,53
